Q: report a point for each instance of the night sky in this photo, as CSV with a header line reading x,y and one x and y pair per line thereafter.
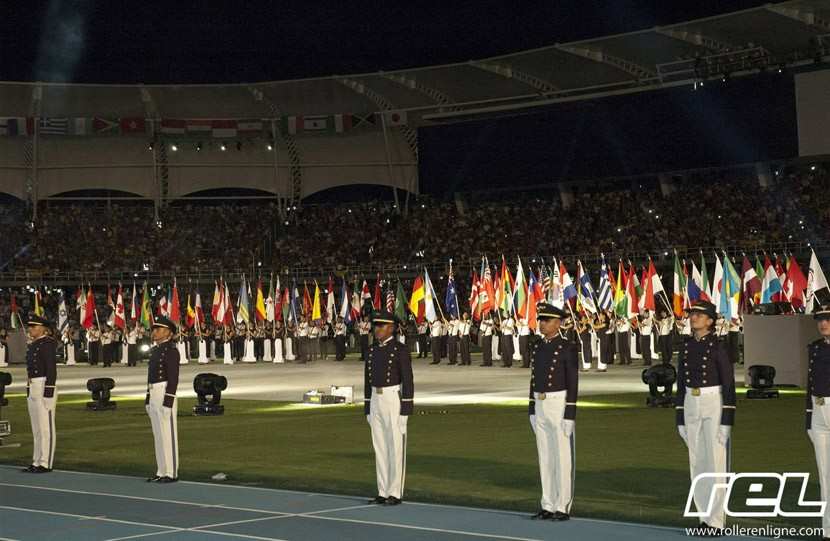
x,y
115,41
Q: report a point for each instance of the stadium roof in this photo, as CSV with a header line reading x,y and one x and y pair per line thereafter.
x,y
630,62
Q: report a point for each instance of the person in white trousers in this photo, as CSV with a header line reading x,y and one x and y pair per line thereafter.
x,y
388,402
818,406
554,368
42,395
705,412
160,402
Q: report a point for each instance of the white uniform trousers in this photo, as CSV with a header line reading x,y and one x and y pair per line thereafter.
x,y
821,444
289,349
203,358
3,355
267,356
278,358
702,415
556,453
249,352
70,354
228,357
388,441
182,353
165,431
495,348
42,417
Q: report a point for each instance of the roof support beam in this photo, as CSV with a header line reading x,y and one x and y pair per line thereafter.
x,y
632,68
695,38
807,17
542,86
411,83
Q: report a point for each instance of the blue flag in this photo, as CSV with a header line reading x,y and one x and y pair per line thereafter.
x,y
451,301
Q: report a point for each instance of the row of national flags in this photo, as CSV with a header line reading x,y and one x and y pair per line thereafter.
x,y
736,286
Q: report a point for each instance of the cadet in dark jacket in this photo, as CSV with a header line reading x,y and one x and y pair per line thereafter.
x,y
42,371
554,367
388,401
705,406
818,404
160,402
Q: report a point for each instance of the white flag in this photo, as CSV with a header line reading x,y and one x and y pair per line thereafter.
x,y
62,315
717,280
815,282
429,306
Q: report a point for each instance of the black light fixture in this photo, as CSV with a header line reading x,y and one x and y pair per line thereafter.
x,y
100,389
761,382
209,389
660,380
5,426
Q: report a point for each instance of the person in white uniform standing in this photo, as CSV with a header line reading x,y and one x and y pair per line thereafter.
x,y
705,407
160,402
42,372
818,406
388,402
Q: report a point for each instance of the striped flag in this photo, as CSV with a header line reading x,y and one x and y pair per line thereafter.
x,y
53,126
585,288
605,298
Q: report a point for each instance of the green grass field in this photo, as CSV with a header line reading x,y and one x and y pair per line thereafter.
x,y
631,465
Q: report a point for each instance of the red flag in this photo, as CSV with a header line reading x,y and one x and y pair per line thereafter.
x,y
795,284
175,311
200,315
120,320
377,300
475,309
217,302
307,303
782,277
90,310
227,318
648,302
133,125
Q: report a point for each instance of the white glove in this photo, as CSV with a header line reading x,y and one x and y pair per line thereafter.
x,y
810,435
724,431
681,429
402,423
568,427
533,423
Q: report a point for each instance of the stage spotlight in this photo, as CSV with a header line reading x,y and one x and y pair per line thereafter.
x,y
209,389
761,382
5,426
222,147
660,380
100,389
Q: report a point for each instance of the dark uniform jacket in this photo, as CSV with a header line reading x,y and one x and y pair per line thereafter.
x,y
705,363
164,366
389,364
41,362
554,367
818,375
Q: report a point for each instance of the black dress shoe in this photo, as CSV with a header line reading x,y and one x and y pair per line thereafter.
x,y
393,501
542,515
167,479
42,469
154,479
378,500
559,515
29,469
709,531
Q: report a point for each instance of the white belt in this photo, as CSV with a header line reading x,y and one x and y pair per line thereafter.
x,y
390,389
697,391
555,394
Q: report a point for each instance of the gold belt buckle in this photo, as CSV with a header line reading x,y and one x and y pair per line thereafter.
x,y
695,391
820,400
542,396
380,390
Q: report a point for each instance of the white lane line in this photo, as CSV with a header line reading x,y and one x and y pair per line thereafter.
x,y
89,517
279,517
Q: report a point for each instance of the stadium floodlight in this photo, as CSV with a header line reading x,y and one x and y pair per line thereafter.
x,y
198,146
100,389
270,147
151,145
174,147
222,147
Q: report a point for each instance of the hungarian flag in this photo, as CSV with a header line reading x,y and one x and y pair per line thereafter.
x,y
416,301
146,309
175,308
260,303
120,319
